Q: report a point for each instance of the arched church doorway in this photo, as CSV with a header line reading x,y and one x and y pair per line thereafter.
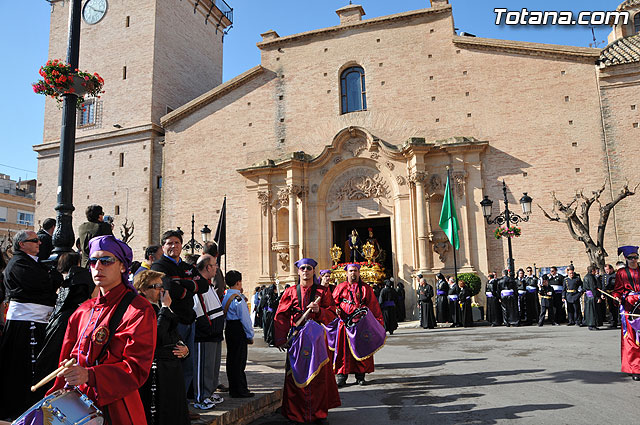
x,y
381,229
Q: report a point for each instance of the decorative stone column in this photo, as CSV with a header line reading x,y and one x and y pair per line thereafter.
x,y
294,245
419,178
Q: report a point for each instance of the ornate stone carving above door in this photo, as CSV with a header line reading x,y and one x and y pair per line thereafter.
x,y
356,184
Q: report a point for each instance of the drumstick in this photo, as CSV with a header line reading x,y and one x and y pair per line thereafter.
x,y
306,313
633,315
608,295
53,374
301,320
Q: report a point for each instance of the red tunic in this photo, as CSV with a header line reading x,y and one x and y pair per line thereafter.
x,y
348,298
312,402
629,293
114,383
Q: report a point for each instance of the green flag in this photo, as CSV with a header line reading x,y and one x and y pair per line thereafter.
x,y
448,219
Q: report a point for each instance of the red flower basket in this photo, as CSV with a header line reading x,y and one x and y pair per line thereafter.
x,y
58,79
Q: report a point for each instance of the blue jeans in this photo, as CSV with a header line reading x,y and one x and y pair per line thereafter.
x,y
188,334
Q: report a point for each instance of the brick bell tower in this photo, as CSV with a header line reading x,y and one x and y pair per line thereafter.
x,y
154,55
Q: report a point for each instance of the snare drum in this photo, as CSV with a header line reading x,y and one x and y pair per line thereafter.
x,y
366,335
64,407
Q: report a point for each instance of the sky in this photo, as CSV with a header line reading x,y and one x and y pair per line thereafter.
x,y
24,29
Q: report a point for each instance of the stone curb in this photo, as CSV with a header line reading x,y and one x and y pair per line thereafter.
x,y
241,411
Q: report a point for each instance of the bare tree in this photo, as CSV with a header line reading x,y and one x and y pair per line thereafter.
x,y
126,233
575,215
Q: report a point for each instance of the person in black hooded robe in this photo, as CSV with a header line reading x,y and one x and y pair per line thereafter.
x,y
269,305
464,297
401,311
494,311
442,302
509,299
454,303
388,299
425,300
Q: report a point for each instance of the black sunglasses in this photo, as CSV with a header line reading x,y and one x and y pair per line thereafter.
x,y
156,286
632,257
34,240
105,261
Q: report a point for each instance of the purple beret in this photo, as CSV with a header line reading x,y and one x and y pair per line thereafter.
x,y
352,265
627,250
310,261
325,271
119,249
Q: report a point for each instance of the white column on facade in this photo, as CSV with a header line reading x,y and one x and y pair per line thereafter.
x,y
265,231
293,228
418,178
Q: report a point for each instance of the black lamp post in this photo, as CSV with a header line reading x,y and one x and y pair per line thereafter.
x,y
63,237
193,244
507,217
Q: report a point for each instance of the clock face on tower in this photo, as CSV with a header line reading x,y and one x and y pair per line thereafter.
x,y
93,11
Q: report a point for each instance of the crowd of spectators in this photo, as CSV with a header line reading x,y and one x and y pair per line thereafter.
x,y
194,314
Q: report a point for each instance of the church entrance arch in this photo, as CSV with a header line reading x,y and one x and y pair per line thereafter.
x,y
381,229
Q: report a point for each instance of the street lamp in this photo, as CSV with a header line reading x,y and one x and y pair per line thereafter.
x,y
206,234
507,217
193,244
63,237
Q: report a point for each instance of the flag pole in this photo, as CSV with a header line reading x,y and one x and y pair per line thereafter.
x,y
453,245
225,235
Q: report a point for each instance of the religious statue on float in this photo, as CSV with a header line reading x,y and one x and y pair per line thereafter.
x,y
373,241
355,246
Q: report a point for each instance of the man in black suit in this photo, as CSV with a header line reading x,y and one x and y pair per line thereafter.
x,y
31,290
183,281
46,241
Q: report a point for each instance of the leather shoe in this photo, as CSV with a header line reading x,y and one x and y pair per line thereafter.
x,y
222,389
245,395
635,377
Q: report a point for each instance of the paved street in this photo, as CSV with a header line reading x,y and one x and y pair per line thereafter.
x,y
484,375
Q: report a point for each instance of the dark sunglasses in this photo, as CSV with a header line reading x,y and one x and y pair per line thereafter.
x,y
632,257
34,240
105,261
304,268
156,286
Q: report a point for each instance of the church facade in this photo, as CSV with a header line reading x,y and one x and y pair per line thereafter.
x,y
355,126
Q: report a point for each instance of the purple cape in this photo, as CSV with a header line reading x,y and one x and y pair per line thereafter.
x,y
308,353
332,333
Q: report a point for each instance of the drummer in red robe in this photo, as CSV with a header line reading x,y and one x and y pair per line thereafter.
x,y
349,296
627,289
310,400
110,377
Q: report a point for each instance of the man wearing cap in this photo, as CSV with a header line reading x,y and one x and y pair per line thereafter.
x,y
114,356
627,291
546,301
310,400
349,296
556,281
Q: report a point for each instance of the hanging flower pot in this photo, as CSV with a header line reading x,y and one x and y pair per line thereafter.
x,y
59,79
507,232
